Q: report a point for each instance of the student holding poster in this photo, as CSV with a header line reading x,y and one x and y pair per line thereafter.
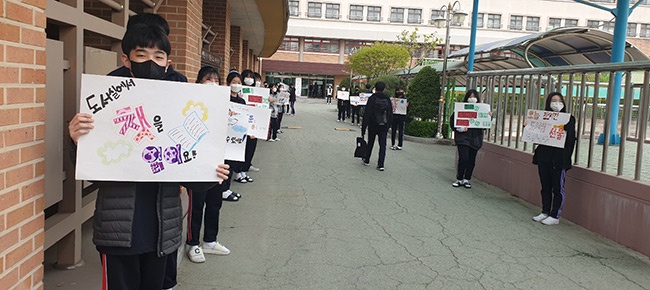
x,y
399,120
138,225
552,164
468,142
210,199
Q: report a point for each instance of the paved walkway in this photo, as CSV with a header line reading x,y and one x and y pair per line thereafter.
x,y
316,218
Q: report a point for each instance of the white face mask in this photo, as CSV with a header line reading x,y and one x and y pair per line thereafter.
x,y
557,106
274,90
258,84
249,81
472,100
235,88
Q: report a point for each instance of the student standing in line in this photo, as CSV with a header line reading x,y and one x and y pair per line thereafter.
x,y
138,224
355,108
330,91
234,81
468,142
552,165
377,118
398,124
275,106
251,142
210,199
292,100
341,107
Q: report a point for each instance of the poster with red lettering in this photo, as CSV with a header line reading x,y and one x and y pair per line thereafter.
x,y
546,128
472,115
256,96
151,130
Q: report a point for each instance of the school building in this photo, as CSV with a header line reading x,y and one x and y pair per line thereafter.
x,y
42,206
322,34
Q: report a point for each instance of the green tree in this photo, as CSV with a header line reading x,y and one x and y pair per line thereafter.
x,y
345,82
418,46
423,95
378,59
392,83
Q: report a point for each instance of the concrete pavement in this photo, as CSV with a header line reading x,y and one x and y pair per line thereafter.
x,y
316,218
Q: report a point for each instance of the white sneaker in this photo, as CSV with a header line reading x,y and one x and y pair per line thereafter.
x,y
398,148
458,183
393,147
215,248
271,140
254,169
196,254
549,221
540,217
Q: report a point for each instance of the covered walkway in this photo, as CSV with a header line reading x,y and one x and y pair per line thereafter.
x,y
316,218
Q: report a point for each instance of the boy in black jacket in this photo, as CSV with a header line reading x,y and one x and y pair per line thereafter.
x,y
138,224
377,117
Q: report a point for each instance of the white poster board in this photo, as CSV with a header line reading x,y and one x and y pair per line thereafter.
x,y
399,106
149,130
472,115
546,128
256,96
343,95
363,98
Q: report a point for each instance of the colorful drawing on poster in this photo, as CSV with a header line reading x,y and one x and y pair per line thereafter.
x,y
256,96
145,130
343,95
363,98
399,106
546,128
472,115
190,133
198,107
114,152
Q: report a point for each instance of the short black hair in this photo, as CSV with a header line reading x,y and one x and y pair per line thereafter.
x,y
380,86
247,73
257,76
548,101
148,19
471,92
231,76
146,36
206,71
367,86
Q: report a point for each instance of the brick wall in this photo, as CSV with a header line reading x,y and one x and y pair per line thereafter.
x,y
216,13
22,147
98,9
285,55
184,19
642,44
320,58
246,57
236,44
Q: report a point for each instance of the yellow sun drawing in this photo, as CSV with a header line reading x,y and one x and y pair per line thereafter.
x,y
197,107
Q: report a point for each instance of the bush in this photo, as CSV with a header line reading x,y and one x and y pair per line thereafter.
x,y
392,83
423,94
345,83
424,129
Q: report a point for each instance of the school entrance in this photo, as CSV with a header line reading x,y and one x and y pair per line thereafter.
x,y
307,85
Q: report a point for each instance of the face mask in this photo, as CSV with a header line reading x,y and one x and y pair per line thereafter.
x,y
343,89
235,88
249,81
472,100
147,70
274,90
258,84
557,106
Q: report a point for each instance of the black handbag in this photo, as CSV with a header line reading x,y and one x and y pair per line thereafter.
x,y
362,146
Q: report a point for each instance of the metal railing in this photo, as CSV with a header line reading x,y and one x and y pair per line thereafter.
x,y
588,91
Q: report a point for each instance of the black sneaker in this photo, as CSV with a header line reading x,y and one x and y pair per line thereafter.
x,y
366,163
380,168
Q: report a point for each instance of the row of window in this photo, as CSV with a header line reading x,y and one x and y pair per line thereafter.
x,y
414,16
321,45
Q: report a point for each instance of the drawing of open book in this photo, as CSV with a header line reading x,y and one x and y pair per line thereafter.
x,y
190,133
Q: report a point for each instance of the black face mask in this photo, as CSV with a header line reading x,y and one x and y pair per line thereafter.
x,y
147,70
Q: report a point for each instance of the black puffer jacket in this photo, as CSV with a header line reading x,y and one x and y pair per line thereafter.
x,y
472,137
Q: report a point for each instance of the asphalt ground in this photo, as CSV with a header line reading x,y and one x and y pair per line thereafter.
x,y
316,218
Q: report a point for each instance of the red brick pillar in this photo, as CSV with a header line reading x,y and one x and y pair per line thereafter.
x,y
216,14
22,146
236,43
185,18
245,56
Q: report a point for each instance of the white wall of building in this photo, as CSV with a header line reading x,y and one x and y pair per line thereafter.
x,y
343,28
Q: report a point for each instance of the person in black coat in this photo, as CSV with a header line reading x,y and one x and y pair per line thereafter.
x,y
378,107
552,165
468,142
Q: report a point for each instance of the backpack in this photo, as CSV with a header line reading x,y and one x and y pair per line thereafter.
x,y
382,107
